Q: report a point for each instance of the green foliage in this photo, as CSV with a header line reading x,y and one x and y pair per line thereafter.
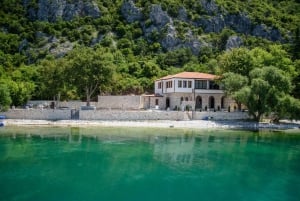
x,y
279,14
5,99
20,91
236,61
31,71
260,80
89,69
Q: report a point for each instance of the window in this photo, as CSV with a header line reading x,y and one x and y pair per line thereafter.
x,y
184,84
169,84
156,101
159,85
213,85
189,84
200,84
179,84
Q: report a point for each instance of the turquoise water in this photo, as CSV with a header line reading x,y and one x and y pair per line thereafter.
x,y
148,164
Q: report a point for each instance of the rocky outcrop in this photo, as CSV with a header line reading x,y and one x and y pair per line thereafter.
x,y
53,10
162,24
233,42
218,19
267,32
209,6
58,47
193,43
239,23
130,12
182,14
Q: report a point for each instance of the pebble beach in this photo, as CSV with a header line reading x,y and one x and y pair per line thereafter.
x,y
193,124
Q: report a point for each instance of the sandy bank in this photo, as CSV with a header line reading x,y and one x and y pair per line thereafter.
x,y
195,124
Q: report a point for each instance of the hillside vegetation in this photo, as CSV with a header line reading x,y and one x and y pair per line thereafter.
x,y
140,41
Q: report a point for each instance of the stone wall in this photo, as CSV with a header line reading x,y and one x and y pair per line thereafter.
x,y
38,114
130,115
69,104
120,102
219,115
122,115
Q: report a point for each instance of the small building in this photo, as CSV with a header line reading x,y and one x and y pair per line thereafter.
x,y
192,91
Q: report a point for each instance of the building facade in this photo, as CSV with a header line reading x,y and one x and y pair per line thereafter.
x,y
191,91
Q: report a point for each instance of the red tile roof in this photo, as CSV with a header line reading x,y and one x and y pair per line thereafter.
x,y
191,75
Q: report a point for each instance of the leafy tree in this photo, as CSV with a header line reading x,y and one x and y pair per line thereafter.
x,y
20,91
263,96
5,99
52,81
89,70
275,56
237,61
232,83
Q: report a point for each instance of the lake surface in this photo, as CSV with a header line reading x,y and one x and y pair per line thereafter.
x,y
44,163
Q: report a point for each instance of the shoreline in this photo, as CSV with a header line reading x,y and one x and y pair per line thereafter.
x,y
192,124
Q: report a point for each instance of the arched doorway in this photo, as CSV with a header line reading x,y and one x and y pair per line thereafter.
x,y
167,103
199,102
223,102
211,102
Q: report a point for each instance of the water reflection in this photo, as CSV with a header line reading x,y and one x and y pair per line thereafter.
x,y
147,164
177,150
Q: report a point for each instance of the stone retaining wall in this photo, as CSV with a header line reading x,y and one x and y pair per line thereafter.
x,y
49,114
38,114
130,115
120,102
220,115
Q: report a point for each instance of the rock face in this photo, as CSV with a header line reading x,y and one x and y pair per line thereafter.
x,y
130,12
53,10
233,42
161,24
158,25
209,6
239,23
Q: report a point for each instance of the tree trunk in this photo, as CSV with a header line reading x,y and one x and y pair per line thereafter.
x,y
257,117
88,98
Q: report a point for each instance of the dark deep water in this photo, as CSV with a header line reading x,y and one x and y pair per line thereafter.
x,y
48,163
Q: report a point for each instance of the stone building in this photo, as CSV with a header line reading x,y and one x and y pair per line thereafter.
x,y
190,90
183,91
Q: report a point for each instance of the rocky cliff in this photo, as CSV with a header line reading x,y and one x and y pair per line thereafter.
x,y
154,21
215,20
53,10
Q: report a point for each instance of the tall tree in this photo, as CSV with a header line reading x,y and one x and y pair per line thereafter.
x,y
236,61
268,87
89,69
232,83
5,99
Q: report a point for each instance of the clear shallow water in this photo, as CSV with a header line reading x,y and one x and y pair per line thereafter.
x,y
148,164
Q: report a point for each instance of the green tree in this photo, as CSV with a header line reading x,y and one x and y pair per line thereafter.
x,y
237,61
89,70
5,99
51,81
20,91
232,83
268,87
